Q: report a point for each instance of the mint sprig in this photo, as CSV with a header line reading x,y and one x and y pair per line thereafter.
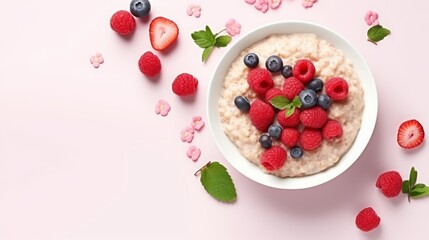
x,y
207,40
412,189
217,182
377,33
282,103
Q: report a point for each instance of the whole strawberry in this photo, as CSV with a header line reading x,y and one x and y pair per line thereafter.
x,y
390,183
367,219
185,85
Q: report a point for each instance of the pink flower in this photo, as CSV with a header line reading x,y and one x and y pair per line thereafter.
x,y
194,9
262,5
371,18
162,108
274,3
250,1
187,134
197,123
193,153
96,60
232,27
308,3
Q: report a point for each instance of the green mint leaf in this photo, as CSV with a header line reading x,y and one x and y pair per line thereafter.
x,y
203,38
290,110
419,192
296,102
413,177
377,33
406,186
209,31
279,102
420,185
223,41
206,53
218,183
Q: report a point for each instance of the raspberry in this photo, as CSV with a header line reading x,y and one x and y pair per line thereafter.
x,y
273,158
149,64
337,88
270,94
122,22
261,115
390,183
314,117
260,80
292,87
185,84
291,121
304,70
310,139
290,137
332,129
367,219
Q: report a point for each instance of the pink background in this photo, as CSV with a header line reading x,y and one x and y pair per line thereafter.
x,y
84,156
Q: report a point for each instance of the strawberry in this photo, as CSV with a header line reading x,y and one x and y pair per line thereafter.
x,y
390,183
314,117
410,134
261,114
185,85
273,158
367,219
163,33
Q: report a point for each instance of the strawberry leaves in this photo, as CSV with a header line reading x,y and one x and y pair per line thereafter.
x,y
282,103
377,33
412,189
207,40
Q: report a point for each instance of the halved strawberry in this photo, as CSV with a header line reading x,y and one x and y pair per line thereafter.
x,y
163,33
410,134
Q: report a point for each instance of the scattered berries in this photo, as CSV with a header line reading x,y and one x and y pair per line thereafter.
x,y
367,219
310,139
251,60
390,183
292,87
291,121
273,158
273,92
163,33
261,114
410,134
332,129
140,8
314,117
304,70
242,103
260,80
122,22
149,64
185,84
290,137
337,88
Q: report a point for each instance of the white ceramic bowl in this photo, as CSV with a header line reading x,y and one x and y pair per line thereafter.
x,y
249,169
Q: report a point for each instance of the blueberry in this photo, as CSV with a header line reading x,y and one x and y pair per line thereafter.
x,y
274,64
242,103
265,140
324,101
315,84
140,8
296,152
275,131
287,71
308,98
251,60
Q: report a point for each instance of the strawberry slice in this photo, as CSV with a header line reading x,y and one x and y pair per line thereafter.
x,y
410,134
163,33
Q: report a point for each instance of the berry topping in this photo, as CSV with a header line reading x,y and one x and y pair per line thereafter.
x,y
122,22
273,158
260,80
324,101
310,139
140,8
242,103
367,219
332,129
275,131
296,152
337,88
251,60
390,183
291,121
410,134
308,98
274,64
261,114
304,70
314,117
290,137
287,71
163,33
265,140
273,92
149,64
185,84
315,85
292,87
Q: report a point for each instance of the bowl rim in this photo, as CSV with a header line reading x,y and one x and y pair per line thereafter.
x,y
369,116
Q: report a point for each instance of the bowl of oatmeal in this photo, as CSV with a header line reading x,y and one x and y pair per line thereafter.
x,y
333,56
